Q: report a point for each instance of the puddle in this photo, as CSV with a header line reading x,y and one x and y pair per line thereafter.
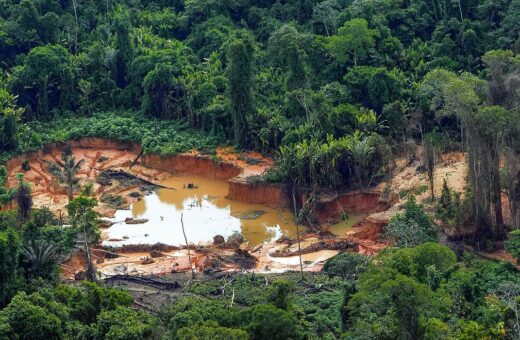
x,y
206,213
340,228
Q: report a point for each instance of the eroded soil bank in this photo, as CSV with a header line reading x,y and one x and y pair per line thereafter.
x,y
104,157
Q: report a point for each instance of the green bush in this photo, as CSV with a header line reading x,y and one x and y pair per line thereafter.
x,y
346,265
513,244
411,228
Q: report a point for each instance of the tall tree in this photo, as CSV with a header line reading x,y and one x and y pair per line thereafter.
x,y
9,249
431,144
10,116
326,13
285,46
353,41
84,218
240,74
23,199
123,46
164,94
68,170
304,10
45,80
485,129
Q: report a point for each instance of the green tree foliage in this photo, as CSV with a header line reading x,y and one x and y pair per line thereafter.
x,y
9,119
346,265
123,47
259,321
74,312
123,323
326,15
45,80
486,129
90,299
164,94
268,321
411,228
329,87
6,194
431,149
513,244
280,294
450,207
84,219
353,161
9,249
285,47
211,330
240,74
353,41
34,317
396,293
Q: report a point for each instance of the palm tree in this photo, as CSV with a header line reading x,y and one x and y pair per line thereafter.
x,y
360,150
68,169
38,253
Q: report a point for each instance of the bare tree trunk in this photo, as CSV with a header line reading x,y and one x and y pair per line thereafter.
x,y
297,230
70,192
460,11
91,271
75,6
187,246
495,184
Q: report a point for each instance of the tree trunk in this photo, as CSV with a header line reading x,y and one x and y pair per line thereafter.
x,y
496,192
70,192
297,230
91,271
188,247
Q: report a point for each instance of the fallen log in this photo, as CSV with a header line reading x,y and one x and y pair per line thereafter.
x,y
145,280
332,244
136,159
121,174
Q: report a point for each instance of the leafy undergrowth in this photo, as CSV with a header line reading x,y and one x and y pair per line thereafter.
x,y
156,136
315,302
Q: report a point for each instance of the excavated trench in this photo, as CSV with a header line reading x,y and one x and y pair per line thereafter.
x,y
214,194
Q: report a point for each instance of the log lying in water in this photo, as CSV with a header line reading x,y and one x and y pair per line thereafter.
x,y
123,175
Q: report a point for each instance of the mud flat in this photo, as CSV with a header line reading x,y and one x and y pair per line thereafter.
x,y
215,193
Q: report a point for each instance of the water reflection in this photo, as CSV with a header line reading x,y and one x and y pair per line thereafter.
x,y
206,213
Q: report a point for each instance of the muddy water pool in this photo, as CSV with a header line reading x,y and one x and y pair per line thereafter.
x,y
206,212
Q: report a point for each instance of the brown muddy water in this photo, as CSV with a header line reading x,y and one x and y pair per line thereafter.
x,y
206,213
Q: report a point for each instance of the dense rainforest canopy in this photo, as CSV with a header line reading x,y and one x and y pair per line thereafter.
x,y
335,90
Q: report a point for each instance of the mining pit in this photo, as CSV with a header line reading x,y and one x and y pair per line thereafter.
x,y
232,221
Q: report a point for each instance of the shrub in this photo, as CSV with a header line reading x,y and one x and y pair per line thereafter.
x,y
513,244
346,265
411,228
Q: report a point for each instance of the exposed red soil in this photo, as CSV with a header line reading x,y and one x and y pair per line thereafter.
x,y
101,154
368,201
270,194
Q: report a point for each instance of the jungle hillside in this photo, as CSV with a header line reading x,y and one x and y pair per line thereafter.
x,y
382,137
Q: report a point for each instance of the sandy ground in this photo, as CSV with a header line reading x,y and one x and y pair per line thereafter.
x,y
47,191
408,180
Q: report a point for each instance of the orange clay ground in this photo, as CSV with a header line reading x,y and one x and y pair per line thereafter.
x,y
48,192
99,156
